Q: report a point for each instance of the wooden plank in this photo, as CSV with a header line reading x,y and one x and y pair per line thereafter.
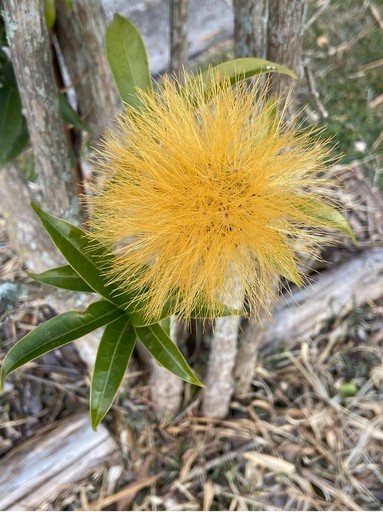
x,y
41,468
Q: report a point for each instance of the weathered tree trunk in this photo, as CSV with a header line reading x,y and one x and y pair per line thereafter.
x,y
25,229
165,387
179,11
28,38
220,379
284,41
250,336
250,28
80,33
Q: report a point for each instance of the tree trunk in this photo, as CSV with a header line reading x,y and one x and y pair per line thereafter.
x,y
179,11
80,33
250,28
26,232
28,39
165,387
248,346
284,42
220,379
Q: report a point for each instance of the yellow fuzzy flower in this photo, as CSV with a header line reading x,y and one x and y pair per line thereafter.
x,y
208,196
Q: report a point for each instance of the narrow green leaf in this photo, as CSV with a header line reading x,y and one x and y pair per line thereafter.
x,y
50,13
243,68
13,128
90,260
58,331
113,356
126,54
63,277
69,115
87,257
235,70
329,216
162,348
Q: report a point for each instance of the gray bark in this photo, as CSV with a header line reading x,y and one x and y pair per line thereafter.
x,y
29,44
249,340
165,387
219,381
250,28
284,41
220,378
25,230
179,10
81,36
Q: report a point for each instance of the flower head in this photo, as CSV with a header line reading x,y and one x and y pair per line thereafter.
x,y
207,195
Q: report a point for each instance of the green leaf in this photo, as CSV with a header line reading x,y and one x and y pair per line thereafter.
x,y
114,352
162,348
235,70
13,127
69,115
50,13
63,277
243,68
126,54
328,216
89,259
58,331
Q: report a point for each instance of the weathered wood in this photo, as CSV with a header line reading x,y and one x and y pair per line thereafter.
x,y
80,33
348,285
284,40
28,39
179,10
37,471
250,28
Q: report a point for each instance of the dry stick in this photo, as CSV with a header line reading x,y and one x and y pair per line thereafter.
x,y
314,92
